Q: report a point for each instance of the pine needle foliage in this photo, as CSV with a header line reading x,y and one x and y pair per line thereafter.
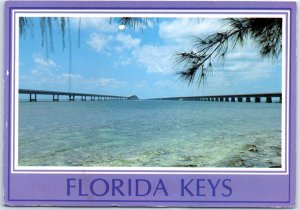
x,y
195,65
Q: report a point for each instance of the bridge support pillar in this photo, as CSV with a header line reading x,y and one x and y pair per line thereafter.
x,y
248,99
55,98
71,97
221,99
232,99
226,99
31,98
280,99
269,99
212,99
257,99
240,99
83,98
216,99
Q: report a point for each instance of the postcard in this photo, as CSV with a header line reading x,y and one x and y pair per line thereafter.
x,y
150,103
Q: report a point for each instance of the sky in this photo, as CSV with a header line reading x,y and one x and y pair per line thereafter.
x,y
103,58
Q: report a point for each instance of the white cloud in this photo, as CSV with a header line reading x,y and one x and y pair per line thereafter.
x,y
72,76
98,41
128,41
156,59
219,82
240,76
150,24
146,25
257,71
141,84
43,62
165,84
177,34
243,69
45,74
102,24
181,30
105,82
95,23
60,81
245,62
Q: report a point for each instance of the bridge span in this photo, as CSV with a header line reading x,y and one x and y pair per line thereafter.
x,y
255,97
72,95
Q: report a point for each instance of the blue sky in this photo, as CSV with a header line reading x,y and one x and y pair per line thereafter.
x,y
127,62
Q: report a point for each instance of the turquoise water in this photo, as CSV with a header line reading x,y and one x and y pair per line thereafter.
x,y
150,134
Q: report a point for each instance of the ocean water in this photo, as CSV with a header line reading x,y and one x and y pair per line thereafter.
x,y
150,134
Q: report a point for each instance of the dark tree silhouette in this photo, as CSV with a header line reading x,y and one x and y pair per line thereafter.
x,y
196,64
46,26
135,23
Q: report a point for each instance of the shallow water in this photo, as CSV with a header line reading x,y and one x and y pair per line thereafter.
x,y
150,134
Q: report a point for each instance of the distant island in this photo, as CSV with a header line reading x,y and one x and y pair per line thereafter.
x,y
133,97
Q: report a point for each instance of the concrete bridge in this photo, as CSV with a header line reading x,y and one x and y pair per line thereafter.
x,y
256,97
72,96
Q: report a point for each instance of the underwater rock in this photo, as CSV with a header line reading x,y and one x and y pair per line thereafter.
x,y
189,165
252,148
240,163
276,149
235,161
187,158
277,166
